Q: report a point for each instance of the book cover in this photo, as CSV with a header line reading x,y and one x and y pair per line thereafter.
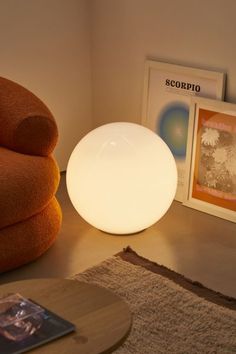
x,y
25,325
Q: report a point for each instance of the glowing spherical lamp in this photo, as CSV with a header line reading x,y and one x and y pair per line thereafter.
x,y
121,178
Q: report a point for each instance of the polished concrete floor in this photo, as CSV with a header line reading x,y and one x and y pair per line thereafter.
x,y
200,246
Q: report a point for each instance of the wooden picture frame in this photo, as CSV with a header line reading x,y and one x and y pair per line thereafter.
x,y
166,100
211,158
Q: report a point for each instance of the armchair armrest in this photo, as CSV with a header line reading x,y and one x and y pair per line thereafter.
x,y
26,124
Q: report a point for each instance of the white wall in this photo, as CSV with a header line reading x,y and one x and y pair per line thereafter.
x,y
198,33
45,46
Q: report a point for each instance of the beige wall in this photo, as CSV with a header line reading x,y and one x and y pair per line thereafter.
x,y
45,46
198,33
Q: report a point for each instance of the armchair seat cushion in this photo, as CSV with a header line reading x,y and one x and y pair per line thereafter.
x,y
27,184
27,240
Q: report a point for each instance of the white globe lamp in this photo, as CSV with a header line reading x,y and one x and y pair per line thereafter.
x,y
121,178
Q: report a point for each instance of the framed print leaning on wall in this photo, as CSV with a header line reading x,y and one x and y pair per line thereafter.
x,y
167,93
211,158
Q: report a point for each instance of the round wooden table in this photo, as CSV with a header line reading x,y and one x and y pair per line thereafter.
x,y
101,318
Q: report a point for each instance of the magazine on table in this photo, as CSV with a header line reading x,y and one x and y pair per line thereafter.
x,y
25,325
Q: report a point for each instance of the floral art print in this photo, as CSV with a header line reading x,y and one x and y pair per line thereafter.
x,y
215,163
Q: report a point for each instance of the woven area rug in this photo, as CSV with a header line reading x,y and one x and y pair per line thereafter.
x,y
171,314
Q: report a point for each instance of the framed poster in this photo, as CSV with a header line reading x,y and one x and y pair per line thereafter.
x,y
211,158
167,94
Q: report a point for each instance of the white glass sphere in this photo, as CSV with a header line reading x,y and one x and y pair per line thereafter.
x,y
121,178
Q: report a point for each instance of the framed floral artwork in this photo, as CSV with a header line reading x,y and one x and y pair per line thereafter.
x,y
167,95
211,158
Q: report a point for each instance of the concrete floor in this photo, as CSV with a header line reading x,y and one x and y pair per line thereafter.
x,y
200,246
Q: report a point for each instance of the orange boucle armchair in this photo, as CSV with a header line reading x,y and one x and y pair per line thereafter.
x,y
30,216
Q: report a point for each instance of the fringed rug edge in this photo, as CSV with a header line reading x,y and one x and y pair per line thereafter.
x,y
129,255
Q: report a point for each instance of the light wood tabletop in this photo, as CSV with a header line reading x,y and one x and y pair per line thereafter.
x,y
101,318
